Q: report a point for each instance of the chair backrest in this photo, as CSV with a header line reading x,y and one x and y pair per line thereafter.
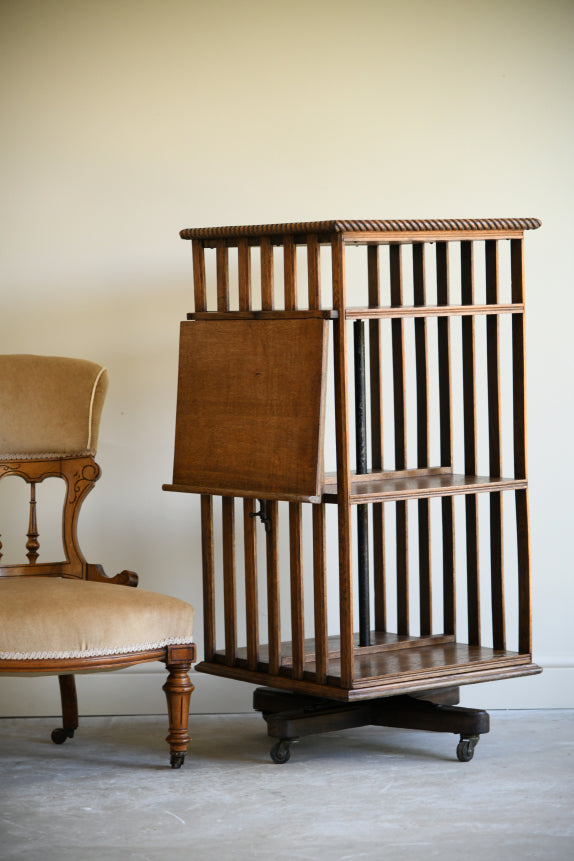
x,y
50,409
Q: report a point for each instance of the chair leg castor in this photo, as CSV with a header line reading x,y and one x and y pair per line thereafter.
x,y
176,759
465,747
60,735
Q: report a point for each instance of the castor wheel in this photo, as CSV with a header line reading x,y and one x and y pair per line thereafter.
x,y
281,752
465,748
60,735
176,759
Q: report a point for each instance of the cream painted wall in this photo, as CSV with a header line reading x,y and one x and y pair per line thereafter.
x,y
126,120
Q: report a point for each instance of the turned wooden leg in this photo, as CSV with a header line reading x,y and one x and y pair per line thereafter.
x,y
178,690
69,710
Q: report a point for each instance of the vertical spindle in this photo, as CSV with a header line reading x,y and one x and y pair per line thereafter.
x,y
422,385
32,545
361,464
399,397
445,410
469,413
343,463
520,463
376,392
494,448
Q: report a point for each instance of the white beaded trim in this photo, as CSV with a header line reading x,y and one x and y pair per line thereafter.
x,y
93,653
68,455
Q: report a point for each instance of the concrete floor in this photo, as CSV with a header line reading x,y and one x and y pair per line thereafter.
x,y
368,793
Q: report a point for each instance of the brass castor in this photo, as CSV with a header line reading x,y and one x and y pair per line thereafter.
x,y
60,735
465,747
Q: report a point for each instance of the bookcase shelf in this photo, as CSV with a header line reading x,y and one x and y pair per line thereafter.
x,y
365,489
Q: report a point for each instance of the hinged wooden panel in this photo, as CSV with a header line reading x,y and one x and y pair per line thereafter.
x,y
250,408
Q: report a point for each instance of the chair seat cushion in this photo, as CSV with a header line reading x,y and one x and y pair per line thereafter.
x,y
51,618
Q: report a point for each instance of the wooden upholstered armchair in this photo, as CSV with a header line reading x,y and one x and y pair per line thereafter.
x,y
68,617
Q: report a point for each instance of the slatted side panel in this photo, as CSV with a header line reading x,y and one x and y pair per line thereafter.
x,y
454,402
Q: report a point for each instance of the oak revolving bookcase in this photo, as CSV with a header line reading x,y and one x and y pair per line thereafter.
x,y
391,597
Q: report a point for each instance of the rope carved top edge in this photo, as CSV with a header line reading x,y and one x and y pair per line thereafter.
x,y
362,226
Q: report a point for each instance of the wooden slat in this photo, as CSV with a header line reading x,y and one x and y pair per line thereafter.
x,y
267,281
273,593
229,595
375,359
376,386
421,358
208,577
314,271
445,411
360,417
295,512
444,375
244,275
422,384
222,267
408,237
520,463
200,304
320,592
290,274
407,311
469,413
399,396
272,536
319,531
251,595
301,314
519,390
495,459
343,464
296,572
448,565
199,275
493,360
398,347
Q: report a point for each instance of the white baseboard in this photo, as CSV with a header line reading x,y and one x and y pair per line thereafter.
x,y
137,691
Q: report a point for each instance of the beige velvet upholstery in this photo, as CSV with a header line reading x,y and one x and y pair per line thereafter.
x,y
68,617
47,618
49,405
